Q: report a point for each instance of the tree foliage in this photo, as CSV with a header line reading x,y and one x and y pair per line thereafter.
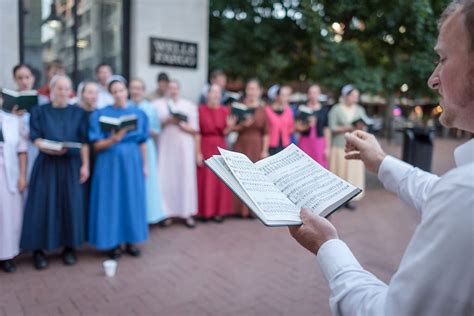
x,y
379,45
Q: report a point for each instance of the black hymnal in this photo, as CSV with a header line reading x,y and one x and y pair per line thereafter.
x,y
108,124
177,114
180,116
1,135
365,121
241,111
25,100
304,113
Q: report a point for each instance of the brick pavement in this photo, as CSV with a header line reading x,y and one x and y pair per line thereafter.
x,y
239,267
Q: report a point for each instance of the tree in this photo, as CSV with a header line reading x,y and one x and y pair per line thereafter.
x,y
381,46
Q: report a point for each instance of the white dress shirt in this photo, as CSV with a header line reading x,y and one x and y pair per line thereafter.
x,y
104,98
436,274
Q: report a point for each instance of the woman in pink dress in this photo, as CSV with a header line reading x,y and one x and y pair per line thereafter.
x,y
177,156
315,135
280,121
214,198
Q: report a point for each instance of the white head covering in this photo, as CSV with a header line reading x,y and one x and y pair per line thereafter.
x,y
347,89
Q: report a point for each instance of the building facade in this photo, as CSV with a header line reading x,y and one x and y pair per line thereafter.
x,y
138,38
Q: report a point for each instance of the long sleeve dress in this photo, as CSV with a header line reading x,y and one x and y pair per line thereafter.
x,y
214,198
117,202
313,142
250,143
177,161
12,142
154,205
353,171
54,210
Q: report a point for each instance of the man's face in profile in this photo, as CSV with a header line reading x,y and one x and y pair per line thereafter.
x,y
453,77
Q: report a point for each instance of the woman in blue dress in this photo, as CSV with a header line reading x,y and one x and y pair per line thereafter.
x,y
54,210
117,202
154,207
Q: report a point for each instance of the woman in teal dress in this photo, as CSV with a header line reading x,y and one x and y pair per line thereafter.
x,y
117,201
154,207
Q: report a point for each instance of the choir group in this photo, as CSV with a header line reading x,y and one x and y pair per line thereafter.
x,y
107,190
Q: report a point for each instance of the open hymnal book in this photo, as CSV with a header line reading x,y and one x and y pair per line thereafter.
x,y
24,100
58,146
277,187
108,124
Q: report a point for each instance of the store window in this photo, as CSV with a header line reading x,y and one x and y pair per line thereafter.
x,y
80,33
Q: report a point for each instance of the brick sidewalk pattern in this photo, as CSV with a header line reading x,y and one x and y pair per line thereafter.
x,y
239,267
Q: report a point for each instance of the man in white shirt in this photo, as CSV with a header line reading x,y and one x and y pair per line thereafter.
x,y
436,274
103,74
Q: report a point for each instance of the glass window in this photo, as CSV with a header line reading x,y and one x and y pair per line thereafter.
x,y
80,33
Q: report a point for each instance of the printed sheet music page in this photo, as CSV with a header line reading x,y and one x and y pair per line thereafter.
x,y
303,181
262,191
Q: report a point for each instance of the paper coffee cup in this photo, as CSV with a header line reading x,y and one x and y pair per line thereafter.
x,y
110,267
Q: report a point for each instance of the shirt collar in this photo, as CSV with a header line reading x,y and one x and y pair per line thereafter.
x,y
464,154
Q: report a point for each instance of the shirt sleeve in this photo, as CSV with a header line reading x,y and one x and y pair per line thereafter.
x,y
435,275
95,132
154,120
84,127
411,184
144,128
332,119
22,146
354,291
35,126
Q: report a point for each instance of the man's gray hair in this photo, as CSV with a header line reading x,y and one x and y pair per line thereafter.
x,y
466,8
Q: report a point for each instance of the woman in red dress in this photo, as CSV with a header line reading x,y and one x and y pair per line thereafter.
x,y
214,198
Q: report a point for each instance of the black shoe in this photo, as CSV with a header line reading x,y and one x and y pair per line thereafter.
x,y
8,266
132,250
115,253
166,223
189,222
39,260
218,219
69,256
350,206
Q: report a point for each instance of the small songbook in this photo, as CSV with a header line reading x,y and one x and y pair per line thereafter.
x,y
176,113
58,146
25,100
108,124
180,116
276,188
241,111
364,121
304,113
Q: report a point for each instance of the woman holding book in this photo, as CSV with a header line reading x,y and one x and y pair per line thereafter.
x,y
280,121
253,133
214,198
154,208
54,211
25,80
315,135
177,156
13,156
118,206
341,120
